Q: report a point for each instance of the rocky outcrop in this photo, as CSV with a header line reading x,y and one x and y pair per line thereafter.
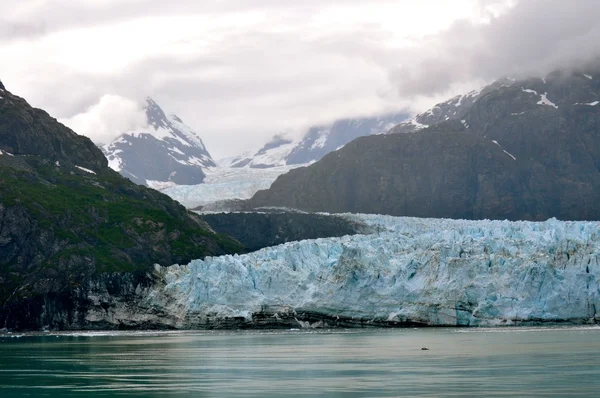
x,y
524,150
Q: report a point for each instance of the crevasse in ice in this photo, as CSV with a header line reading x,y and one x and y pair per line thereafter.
x,y
431,271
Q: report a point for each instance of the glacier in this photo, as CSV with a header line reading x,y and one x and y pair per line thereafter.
x,y
408,271
225,183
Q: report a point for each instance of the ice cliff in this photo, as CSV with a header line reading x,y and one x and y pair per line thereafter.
x,y
411,271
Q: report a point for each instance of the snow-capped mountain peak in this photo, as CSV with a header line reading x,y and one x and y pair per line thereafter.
x,y
165,151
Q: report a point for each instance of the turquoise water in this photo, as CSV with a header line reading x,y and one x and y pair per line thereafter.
x,y
516,362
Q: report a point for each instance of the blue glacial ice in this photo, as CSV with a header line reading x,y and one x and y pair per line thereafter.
x,y
426,271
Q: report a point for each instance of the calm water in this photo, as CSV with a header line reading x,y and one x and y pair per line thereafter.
x,y
527,362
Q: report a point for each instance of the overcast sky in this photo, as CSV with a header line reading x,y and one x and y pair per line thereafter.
x,y
240,71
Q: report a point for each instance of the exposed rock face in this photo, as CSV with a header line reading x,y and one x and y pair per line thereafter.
x,y
525,150
166,151
66,218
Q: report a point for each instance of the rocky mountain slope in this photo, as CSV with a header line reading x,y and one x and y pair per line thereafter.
x,y
453,109
165,152
527,149
68,223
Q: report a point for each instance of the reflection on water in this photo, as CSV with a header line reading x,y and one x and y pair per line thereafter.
x,y
524,362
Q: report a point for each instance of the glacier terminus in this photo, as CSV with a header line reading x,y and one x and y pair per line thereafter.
x,y
407,271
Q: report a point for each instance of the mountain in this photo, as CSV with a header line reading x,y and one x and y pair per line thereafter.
x,y
166,151
71,228
316,143
522,149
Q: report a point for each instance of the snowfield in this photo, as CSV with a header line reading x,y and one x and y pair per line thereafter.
x,y
426,271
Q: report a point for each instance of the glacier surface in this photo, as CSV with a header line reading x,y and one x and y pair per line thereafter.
x,y
226,183
409,271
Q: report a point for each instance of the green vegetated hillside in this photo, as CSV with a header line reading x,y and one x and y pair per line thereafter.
x,y
66,218
525,149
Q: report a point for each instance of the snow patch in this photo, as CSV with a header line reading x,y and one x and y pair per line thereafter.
x,y
86,170
546,101
177,151
321,141
514,158
418,126
496,142
160,185
529,91
459,102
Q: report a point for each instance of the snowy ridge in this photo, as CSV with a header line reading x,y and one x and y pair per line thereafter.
x,y
453,109
429,271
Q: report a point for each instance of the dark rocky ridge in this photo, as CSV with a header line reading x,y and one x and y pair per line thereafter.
x,y
28,131
513,156
259,230
63,229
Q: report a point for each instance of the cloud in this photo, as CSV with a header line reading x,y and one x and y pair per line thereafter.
x,y
240,71
534,37
107,119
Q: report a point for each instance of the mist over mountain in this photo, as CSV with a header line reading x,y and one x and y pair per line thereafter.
x,y
317,142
